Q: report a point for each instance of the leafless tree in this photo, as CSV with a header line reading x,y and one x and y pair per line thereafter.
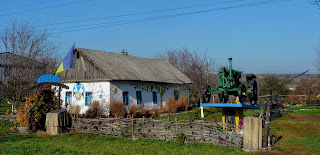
x,y
317,63
27,54
315,2
196,65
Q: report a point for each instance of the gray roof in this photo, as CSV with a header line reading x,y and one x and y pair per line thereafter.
x,y
126,67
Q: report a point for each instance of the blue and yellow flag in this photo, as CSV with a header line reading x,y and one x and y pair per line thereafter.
x,y
67,61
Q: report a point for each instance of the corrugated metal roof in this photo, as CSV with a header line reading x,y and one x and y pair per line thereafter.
x,y
125,67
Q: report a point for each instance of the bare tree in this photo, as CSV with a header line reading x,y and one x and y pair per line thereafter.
x,y
317,63
27,55
196,65
315,2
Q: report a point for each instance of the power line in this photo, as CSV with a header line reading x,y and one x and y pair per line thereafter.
x,y
24,5
178,15
141,13
48,7
131,15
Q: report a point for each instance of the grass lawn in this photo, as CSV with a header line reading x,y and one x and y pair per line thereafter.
x,y
300,136
90,144
4,107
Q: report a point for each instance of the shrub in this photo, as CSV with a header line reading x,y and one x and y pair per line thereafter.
x,y
33,113
45,102
6,126
156,112
171,105
146,113
133,110
74,110
183,103
293,99
95,110
118,109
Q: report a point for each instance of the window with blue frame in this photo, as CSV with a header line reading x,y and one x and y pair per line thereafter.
x,y
155,99
125,96
139,97
68,99
88,99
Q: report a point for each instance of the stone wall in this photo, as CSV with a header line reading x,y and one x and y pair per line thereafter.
x,y
188,131
11,118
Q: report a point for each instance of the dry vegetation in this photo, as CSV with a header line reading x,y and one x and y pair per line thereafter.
x,y
95,110
74,110
173,106
118,109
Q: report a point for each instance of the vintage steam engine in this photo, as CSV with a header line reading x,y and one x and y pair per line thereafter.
x,y
229,84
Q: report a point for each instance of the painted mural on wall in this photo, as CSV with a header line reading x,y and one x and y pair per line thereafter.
x,y
78,91
99,93
114,90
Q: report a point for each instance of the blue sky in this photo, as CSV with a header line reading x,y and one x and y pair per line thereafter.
x,y
272,38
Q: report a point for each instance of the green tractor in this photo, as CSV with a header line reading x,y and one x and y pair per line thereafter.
x,y
229,84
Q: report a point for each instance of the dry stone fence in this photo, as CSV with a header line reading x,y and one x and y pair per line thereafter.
x,y
11,118
147,128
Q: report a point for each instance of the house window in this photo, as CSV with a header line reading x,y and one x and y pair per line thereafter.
x,y
155,99
88,100
176,94
78,55
139,97
68,99
125,98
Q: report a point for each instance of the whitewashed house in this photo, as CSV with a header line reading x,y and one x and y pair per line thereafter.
x,y
102,76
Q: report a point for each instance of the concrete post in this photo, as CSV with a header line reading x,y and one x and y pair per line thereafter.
x,y
202,114
252,135
52,123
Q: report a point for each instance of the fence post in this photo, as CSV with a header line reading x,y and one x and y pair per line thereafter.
x,y
176,128
132,137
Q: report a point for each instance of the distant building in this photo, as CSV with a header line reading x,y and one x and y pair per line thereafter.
x,y
13,66
105,76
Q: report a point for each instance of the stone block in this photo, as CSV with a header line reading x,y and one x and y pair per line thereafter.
x,y
252,133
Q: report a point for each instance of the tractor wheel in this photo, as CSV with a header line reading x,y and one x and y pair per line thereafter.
x,y
252,91
221,96
225,99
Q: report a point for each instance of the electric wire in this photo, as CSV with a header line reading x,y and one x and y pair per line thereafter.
x,y
176,15
25,5
142,13
47,7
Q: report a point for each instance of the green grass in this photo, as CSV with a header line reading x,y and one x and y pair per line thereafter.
x,y
4,107
195,114
302,109
90,144
300,136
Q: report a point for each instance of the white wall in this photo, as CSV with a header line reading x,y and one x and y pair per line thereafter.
x,y
100,92
117,88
